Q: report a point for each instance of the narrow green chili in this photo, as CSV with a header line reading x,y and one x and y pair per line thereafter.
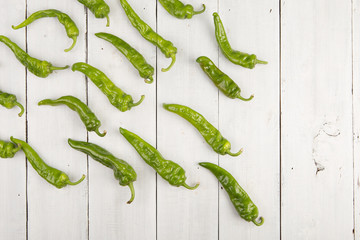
x,y
220,79
166,47
211,135
90,120
236,57
168,170
38,67
71,29
240,199
146,71
9,101
179,9
8,149
98,7
52,175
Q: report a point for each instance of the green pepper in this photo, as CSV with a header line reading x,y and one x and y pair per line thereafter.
x,y
71,29
168,170
52,175
9,101
240,199
236,57
180,10
166,47
98,7
90,120
116,96
211,135
38,67
146,71
122,170
220,79
8,149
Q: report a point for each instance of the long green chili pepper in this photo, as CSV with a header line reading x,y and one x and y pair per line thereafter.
x,y
38,67
240,199
180,10
98,7
236,57
91,122
122,170
166,47
71,29
9,101
52,175
146,71
211,135
168,170
116,96
220,79
8,149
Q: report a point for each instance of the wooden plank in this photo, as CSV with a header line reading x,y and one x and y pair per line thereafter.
x,y
252,26
317,158
180,209
51,210
12,171
110,216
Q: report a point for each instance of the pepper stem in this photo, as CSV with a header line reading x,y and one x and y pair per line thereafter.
x,y
52,68
107,21
246,99
260,62
173,57
99,133
150,80
21,108
258,222
235,154
138,103
77,182
131,186
201,11
73,44
191,188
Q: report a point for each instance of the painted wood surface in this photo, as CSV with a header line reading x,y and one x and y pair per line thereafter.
x,y
300,133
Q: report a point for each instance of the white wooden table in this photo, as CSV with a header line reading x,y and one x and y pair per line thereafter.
x,y
300,134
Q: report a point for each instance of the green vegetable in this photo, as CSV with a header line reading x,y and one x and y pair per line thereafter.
x,y
220,79
91,122
8,149
52,175
167,169
116,96
71,29
122,170
38,67
211,135
180,10
166,47
236,57
98,7
146,71
9,101
241,201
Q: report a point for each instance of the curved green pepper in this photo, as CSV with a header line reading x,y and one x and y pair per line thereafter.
x,y
98,7
180,10
8,149
9,101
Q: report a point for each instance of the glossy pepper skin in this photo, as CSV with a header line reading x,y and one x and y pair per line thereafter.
x,y
122,170
98,7
167,169
90,120
240,199
236,57
71,29
8,149
180,10
38,67
166,47
146,71
9,101
220,79
211,135
52,175
116,96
